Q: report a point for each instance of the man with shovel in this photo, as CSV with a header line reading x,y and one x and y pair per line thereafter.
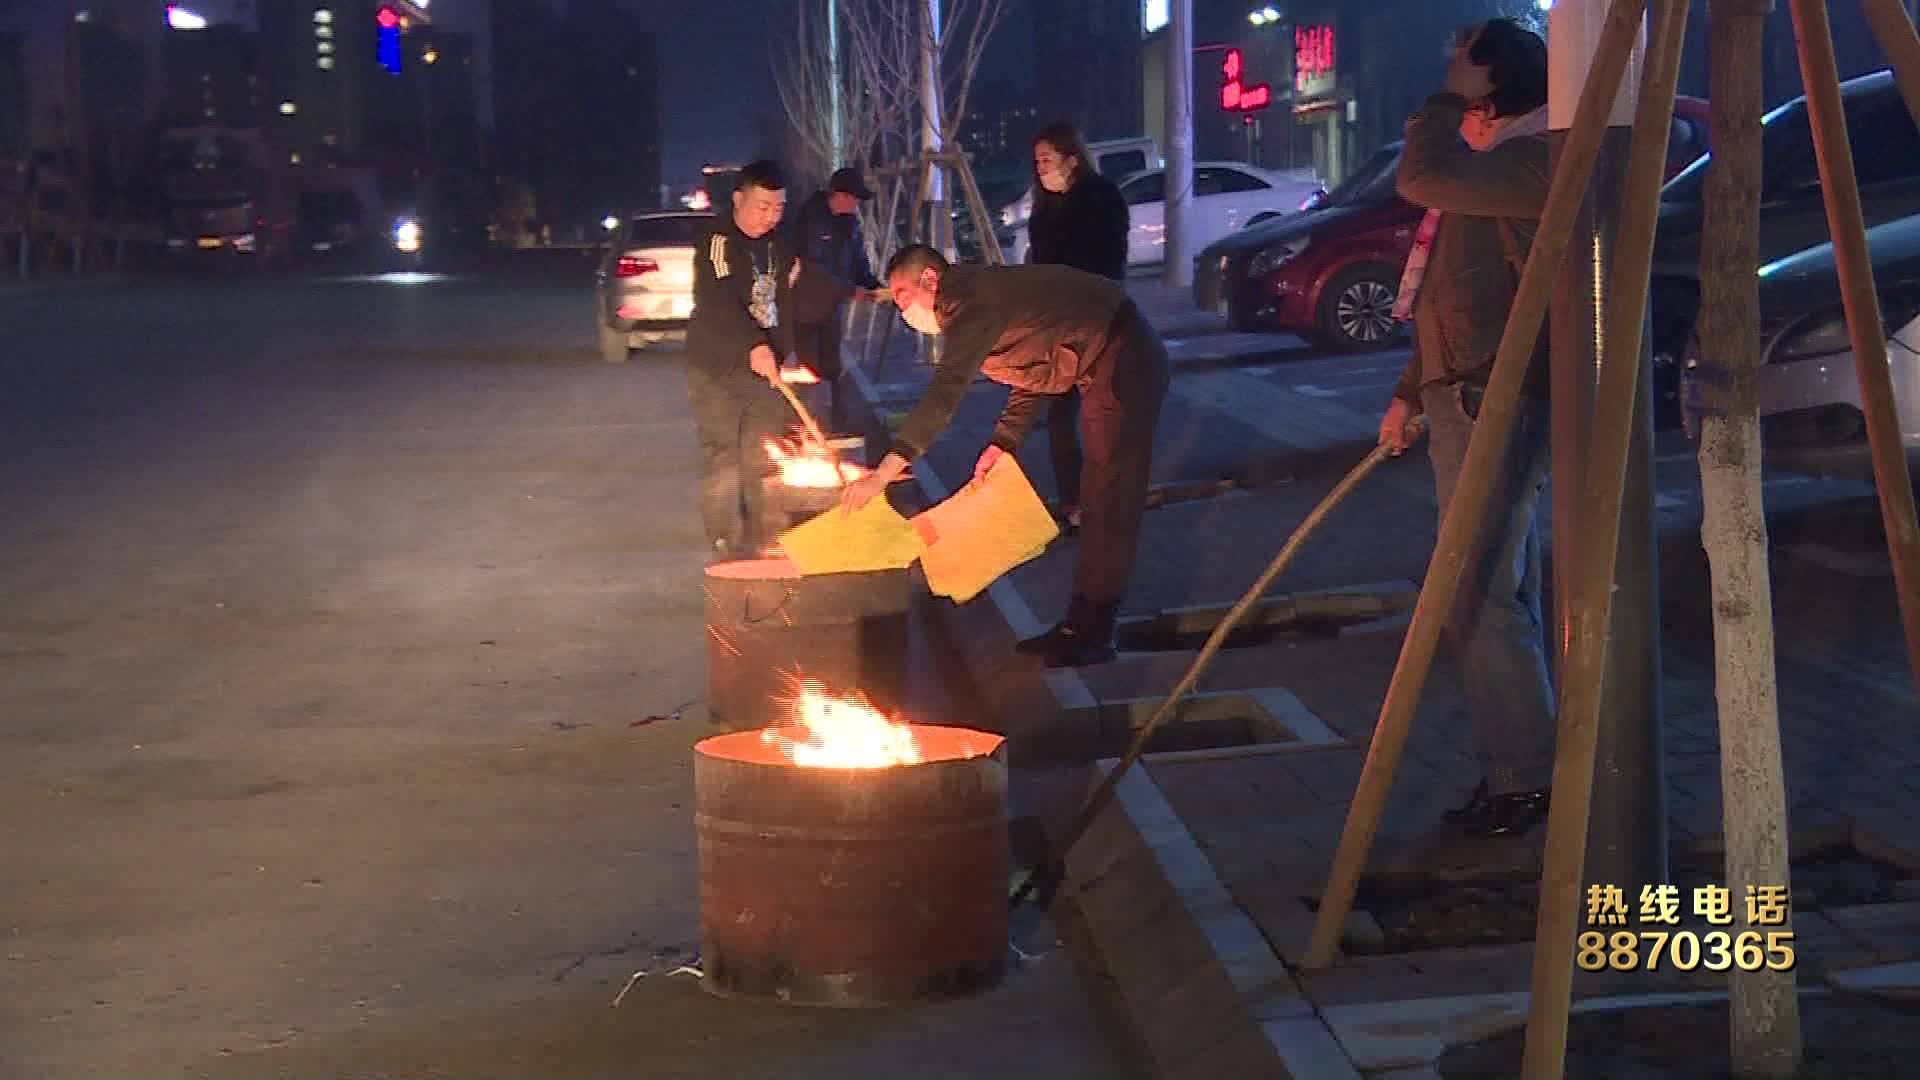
x,y
1044,331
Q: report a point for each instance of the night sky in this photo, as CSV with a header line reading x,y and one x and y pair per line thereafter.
x,y
716,73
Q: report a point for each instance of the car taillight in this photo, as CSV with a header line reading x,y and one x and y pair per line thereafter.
x,y
634,266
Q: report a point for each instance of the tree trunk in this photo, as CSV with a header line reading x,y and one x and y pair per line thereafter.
x,y
1764,1005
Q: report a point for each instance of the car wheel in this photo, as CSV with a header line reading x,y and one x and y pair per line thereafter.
x,y
1356,310
613,344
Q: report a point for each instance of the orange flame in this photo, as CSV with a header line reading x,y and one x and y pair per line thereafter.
x,y
799,376
842,732
809,465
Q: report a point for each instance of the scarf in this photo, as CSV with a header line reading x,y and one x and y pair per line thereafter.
x,y
1533,123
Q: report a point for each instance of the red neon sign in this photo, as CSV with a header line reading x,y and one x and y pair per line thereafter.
x,y
388,18
1236,97
1312,57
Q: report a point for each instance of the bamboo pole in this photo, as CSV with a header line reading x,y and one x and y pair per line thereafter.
x,y
1846,223
1460,529
1895,34
1590,614
1044,880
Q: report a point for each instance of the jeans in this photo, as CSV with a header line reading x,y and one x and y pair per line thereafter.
x,y
1495,628
735,416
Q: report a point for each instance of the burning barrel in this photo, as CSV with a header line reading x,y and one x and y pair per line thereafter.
x,y
851,861
766,624
808,479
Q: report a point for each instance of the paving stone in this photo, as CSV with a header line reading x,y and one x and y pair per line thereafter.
x,y
1187,1013
1427,973
1309,1050
1129,895
1242,951
1401,1033
1889,980
1888,932
1889,837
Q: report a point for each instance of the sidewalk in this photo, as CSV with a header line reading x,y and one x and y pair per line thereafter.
x,y
1196,891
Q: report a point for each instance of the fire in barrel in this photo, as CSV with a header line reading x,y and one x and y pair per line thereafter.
x,y
849,859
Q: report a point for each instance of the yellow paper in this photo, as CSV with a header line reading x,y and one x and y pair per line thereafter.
x,y
874,537
984,530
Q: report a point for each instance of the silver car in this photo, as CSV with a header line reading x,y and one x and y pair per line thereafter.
x,y
645,281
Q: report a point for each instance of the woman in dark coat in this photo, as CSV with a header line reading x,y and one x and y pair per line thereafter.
x,y
1079,220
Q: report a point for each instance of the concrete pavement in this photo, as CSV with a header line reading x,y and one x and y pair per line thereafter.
x,y
1197,892
329,607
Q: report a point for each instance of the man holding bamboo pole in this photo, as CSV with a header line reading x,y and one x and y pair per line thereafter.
x,y
1483,205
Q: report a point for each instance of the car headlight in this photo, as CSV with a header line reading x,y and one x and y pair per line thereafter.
x,y
1275,257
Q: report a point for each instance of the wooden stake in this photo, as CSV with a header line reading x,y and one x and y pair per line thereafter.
x,y
1459,531
1044,880
1583,683
1895,33
1846,224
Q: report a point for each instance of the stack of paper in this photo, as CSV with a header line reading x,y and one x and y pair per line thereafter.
x,y
874,537
984,530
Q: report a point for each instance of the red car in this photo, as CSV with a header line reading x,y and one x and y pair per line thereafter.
x,y
1330,272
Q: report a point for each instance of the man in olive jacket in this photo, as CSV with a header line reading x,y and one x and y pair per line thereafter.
x,y
1484,201
1044,331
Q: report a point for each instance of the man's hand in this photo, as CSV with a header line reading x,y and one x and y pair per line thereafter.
x,y
1399,429
988,459
764,363
862,491
1466,78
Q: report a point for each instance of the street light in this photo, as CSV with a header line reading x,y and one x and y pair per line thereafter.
x,y
609,223
288,108
1263,17
179,18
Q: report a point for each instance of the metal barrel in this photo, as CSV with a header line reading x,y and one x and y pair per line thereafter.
x,y
767,626
852,887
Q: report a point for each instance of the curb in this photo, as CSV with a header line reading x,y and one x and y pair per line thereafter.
x,y
1198,983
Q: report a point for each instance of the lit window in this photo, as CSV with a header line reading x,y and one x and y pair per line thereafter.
x,y
288,108
208,113
432,55
323,47
293,158
323,16
325,63
325,33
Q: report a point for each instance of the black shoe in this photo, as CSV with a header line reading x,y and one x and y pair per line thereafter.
x,y
1042,644
1070,650
1510,815
1475,805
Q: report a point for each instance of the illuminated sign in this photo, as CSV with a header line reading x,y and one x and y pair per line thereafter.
x,y
1313,63
387,40
1235,96
1154,14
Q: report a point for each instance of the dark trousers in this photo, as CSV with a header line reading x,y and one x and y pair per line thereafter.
x,y
735,416
1119,410
1063,445
817,345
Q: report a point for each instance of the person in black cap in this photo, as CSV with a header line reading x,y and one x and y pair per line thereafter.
x,y
826,233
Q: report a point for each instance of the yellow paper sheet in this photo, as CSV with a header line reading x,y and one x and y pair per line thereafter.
x,y
984,530
874,537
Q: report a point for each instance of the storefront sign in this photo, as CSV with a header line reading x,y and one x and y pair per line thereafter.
x,y
1314,73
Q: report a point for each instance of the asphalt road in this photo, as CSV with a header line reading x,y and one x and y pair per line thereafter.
x,y
328,607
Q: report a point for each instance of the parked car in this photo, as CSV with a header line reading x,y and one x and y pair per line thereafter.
x,y
1112,158
645,280
1886,157
1331,273
1226,196
1807,378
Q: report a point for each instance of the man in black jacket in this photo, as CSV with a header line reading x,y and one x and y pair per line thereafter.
x,y
743,277
1044,331
826,233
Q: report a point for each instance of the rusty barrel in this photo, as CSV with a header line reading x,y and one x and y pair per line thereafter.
x,y
767,625
852,887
